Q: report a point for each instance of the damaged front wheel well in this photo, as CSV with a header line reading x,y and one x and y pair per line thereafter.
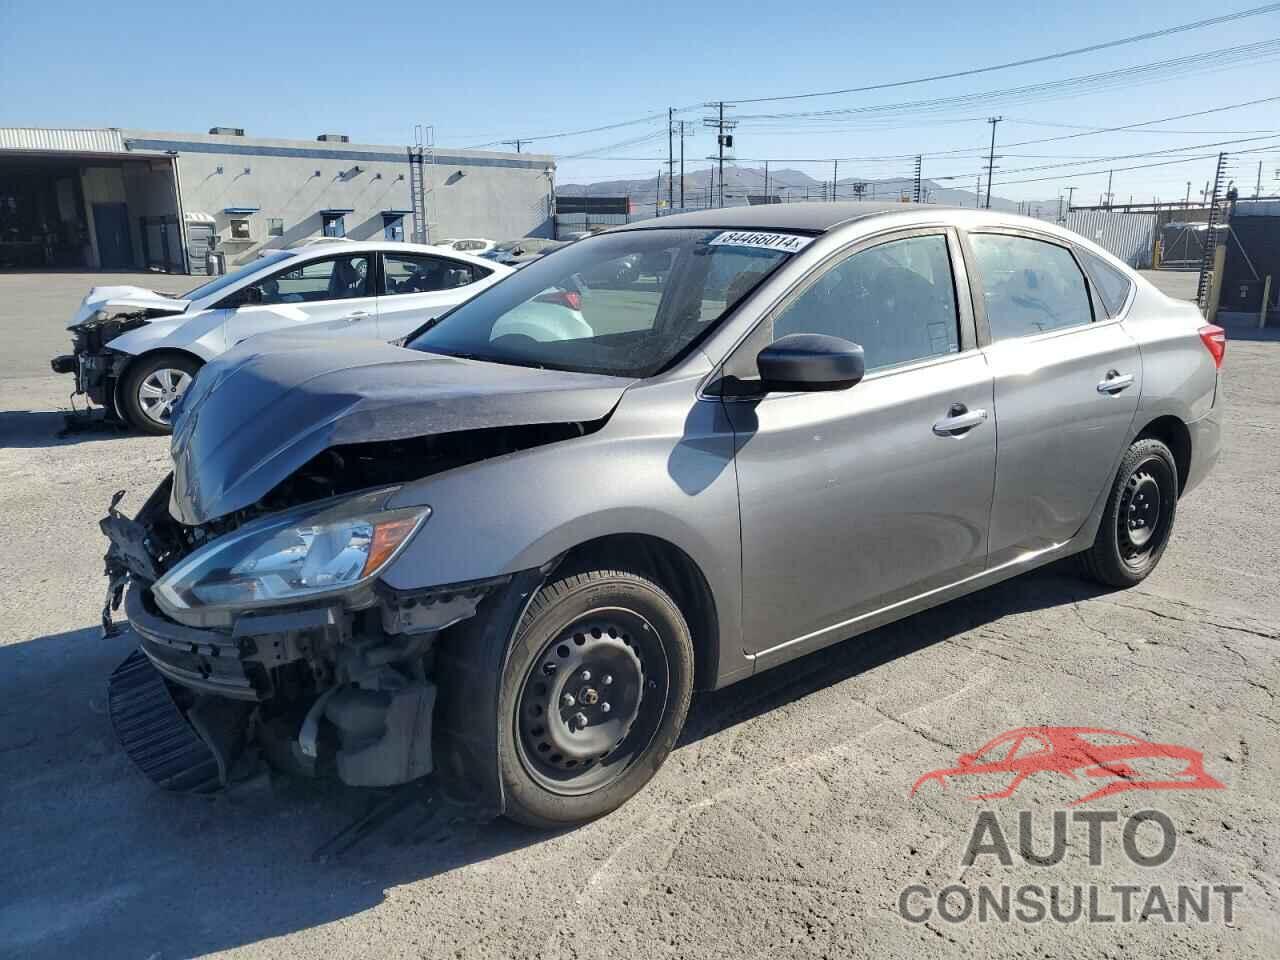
x,y
673,570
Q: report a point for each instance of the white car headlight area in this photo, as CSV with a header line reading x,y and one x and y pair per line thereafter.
x,y
325,549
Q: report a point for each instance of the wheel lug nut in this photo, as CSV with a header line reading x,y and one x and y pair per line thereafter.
x,y
586,675
604,707
580,719
606,679
568,700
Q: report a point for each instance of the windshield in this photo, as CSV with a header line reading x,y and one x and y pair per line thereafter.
x,y
235,276
625,304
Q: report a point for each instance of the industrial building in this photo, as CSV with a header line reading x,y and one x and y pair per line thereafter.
x,y
115,199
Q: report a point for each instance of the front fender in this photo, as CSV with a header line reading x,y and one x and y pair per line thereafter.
x,y
202,334
662,467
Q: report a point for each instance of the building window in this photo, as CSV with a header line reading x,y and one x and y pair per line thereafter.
x,y
334,225
393,226
275,227
240,229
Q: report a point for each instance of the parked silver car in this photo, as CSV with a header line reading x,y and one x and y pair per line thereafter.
x,y
509,552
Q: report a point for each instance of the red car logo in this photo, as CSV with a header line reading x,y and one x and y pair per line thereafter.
x,y
1078,752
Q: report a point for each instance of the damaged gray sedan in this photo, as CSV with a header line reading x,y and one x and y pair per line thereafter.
x,y
675,454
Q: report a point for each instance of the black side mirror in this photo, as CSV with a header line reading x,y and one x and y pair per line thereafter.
x,y
809,362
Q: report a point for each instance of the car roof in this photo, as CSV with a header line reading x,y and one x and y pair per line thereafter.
x,y
313,251
812,217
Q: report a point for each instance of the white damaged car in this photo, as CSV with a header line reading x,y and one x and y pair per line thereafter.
x,y
135,351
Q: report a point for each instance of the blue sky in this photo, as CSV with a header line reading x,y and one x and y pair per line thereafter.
x,y
489,71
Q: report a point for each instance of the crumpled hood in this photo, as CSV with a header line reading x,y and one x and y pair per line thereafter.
x,y
124,300
264,408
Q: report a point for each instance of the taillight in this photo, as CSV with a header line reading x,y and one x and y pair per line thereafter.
x,y
564,298
1215,341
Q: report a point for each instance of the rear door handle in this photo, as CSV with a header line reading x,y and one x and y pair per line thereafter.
x,y
959,421
1115,382
356,315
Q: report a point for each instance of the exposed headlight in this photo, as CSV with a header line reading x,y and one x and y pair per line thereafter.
x,y
324,549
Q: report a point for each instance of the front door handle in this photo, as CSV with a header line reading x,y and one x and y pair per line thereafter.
x,y
356,315
959,421
1115,382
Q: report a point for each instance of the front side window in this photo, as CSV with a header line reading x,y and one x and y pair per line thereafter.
x,y
333,278
414,273
626,304
1030,286
235,276
896,300
1113,286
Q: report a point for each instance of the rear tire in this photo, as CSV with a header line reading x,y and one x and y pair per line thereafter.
x,y
1138,519
151,385
594,694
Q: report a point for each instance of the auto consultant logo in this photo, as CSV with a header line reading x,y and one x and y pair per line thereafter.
x,y
1123,761
1147,839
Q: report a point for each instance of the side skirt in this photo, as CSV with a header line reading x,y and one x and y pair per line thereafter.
x,y
847,629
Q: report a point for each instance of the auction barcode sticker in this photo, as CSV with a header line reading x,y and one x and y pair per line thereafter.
x,y
786,242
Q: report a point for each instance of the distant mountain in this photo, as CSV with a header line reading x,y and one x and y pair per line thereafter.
x,y
788,185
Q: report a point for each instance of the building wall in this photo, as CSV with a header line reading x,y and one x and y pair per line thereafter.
x,y
473,193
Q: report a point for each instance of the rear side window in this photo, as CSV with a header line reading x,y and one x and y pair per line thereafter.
x,y
1112,285
1030,286
415,273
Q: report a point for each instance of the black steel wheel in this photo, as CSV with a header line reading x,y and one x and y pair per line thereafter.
x,y
1139,517
596,689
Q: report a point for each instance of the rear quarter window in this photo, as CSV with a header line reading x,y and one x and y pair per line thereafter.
x,y
1112,285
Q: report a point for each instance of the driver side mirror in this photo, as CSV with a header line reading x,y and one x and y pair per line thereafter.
x,y
810,362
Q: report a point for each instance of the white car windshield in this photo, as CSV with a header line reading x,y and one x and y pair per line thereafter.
x,y
624,304
235,276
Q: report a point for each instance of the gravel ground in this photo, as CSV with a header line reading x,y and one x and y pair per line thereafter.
x,y
782,824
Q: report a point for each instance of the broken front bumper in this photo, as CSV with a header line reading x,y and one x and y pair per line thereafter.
x,y
205,661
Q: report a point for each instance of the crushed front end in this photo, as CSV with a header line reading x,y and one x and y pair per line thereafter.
x,y
270,631
97,368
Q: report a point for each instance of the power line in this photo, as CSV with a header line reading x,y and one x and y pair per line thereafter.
x,y
1092,48
1224,58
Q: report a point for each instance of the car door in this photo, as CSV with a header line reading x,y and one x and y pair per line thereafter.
x,y
1067,381
854,500
329,296
416,287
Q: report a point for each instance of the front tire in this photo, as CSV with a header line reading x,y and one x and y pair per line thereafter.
x,y
594,695
1138,520
150,388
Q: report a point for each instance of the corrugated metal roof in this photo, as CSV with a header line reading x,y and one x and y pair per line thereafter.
x,y
47,139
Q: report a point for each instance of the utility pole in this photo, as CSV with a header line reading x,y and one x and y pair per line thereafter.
x,y
1258,192
767,198
991,158
681,164
916,192
671,162
835,177
723,139
1186,203
1059,220
977,192
657,191
1109,173
1071,192
517,143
